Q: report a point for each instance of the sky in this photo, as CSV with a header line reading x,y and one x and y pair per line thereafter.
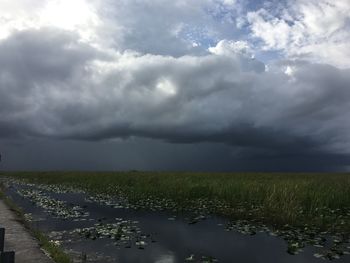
x,y
186,85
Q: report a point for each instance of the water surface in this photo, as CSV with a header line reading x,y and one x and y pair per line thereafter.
x,y
154,236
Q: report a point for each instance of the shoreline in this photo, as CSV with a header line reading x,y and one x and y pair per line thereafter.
x,y
18,238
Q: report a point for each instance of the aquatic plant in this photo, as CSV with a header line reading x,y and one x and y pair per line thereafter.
x,y
123,233
55,207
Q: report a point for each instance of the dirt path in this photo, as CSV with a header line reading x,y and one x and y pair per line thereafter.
x,y
19,240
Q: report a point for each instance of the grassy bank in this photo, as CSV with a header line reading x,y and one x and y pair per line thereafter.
x,y
54,251
322,200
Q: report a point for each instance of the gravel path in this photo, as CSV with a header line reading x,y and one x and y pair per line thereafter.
x,y
18,239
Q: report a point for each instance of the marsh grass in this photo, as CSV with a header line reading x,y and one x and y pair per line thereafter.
x,y
322,200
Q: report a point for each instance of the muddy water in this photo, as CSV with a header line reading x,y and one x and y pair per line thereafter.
x,y
154,236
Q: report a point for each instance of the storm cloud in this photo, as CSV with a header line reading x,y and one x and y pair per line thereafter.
x,y
56,86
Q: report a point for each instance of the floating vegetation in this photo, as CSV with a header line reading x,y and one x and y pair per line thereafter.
x,y
107,200
156,204
28,217
200,259
58,189
340,247
124,233
121,200
57,208
53,188
245,227
297,238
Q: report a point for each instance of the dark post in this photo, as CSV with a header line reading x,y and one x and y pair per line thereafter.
x,y
2,239
7,257
83,257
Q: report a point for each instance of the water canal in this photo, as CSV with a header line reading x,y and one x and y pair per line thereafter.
x,y
97,229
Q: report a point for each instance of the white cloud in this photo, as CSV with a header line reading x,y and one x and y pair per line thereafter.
x,y
318,30
227,47
166,87
157,27
289,70
78,16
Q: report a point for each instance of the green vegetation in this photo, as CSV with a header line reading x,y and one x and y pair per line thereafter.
x,y
321,200
53,250
303,209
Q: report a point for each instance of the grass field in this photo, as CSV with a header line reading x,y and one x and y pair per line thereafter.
x,y
321,200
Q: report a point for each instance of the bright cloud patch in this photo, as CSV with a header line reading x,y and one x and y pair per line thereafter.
x,y
225,47
315,30
77,15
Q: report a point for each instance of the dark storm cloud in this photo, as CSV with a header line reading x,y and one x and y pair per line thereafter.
x,y
54,86
36,66
42,55
10,129
151,155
